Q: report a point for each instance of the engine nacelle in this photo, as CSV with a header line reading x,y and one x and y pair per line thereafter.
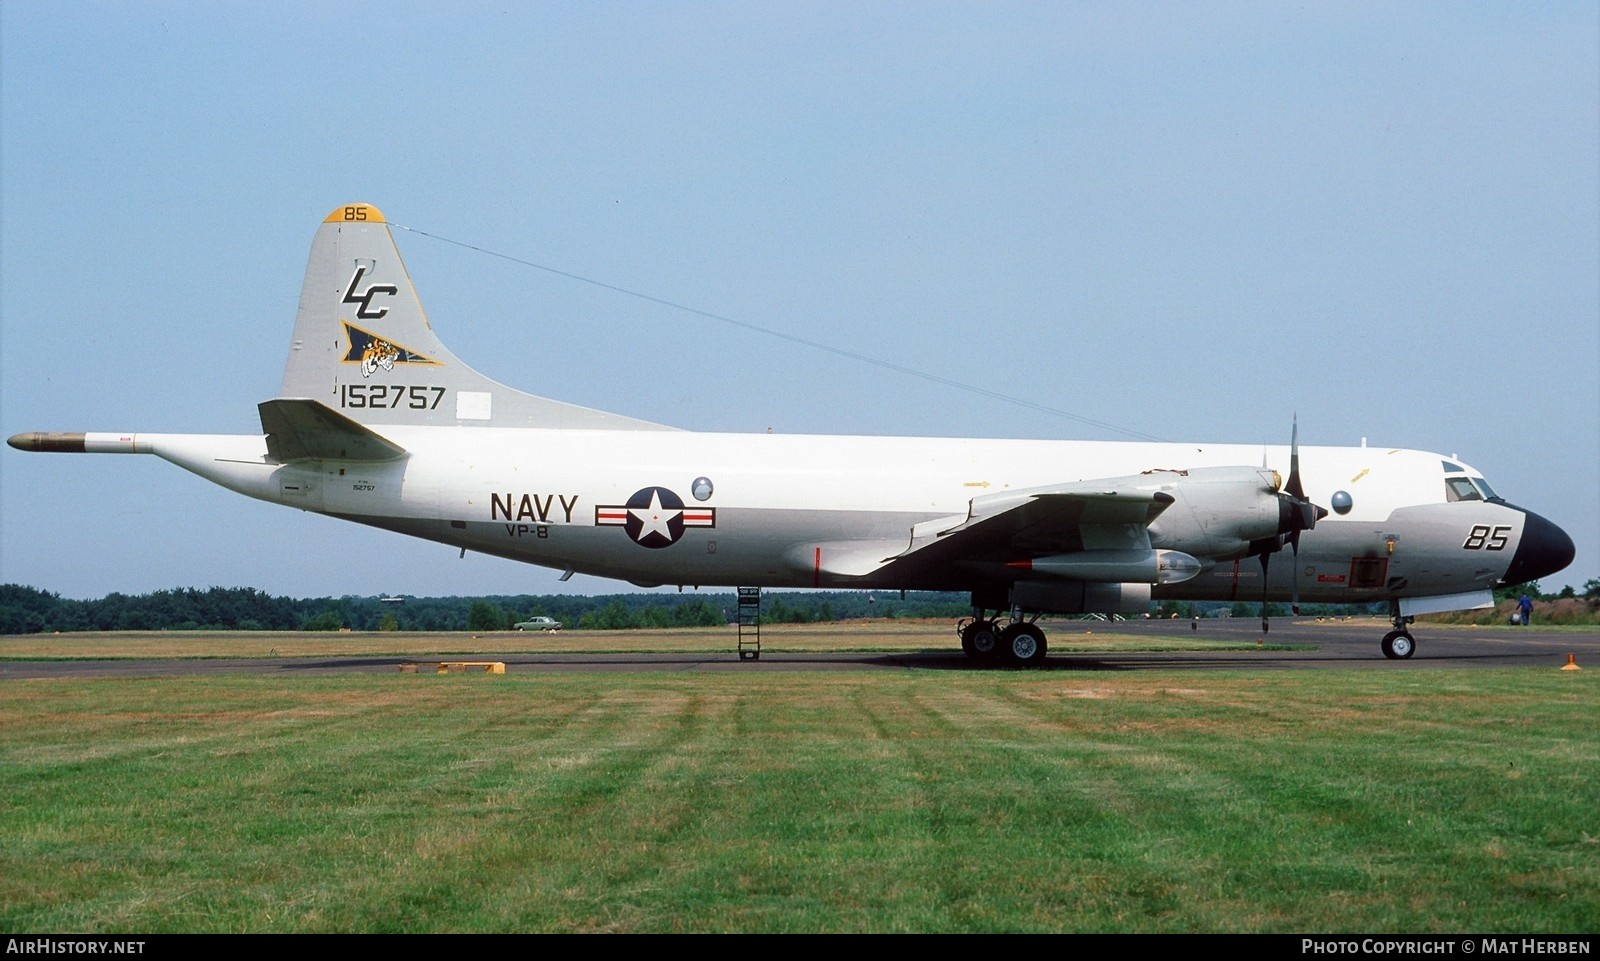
x,y
1219,511
1080,597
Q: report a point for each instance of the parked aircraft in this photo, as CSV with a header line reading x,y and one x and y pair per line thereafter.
x,y
378,423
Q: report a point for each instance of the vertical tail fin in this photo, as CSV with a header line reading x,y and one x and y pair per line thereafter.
x,y
363,346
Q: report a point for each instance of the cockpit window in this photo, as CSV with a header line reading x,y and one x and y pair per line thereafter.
x,y
1488,492
1460,489
1453,468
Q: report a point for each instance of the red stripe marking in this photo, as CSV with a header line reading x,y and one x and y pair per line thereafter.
x,y
816,575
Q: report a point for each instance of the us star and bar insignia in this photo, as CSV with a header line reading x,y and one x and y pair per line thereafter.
x,y
655,517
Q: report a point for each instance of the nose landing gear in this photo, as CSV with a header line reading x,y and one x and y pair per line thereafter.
x,y
1398,644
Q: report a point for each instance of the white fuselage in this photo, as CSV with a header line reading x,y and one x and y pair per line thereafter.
x,y
804,510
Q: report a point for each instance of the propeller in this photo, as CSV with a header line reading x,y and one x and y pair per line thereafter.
x,y
1303,515
1296,513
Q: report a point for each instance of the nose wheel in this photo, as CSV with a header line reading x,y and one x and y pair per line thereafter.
x,y
1398,645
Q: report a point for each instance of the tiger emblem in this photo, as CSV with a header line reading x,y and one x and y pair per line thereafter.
x,y
378,353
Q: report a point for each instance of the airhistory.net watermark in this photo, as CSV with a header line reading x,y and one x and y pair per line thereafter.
x,y
71,946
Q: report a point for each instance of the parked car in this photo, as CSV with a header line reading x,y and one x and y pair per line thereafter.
x,y
538,624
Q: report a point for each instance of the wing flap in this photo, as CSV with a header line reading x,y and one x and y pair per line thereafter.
x,y
304,429
842,558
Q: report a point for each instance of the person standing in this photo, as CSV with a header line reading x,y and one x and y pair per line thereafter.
x,y
1525,605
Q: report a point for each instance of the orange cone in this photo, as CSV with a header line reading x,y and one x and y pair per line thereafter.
x,y
1572,663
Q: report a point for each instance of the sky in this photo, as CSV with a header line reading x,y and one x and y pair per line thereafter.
x,y
1089,220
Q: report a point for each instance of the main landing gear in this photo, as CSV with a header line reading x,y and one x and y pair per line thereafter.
x,y
1398,644
1017,643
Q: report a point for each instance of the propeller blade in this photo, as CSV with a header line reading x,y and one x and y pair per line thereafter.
x,y
1298,513
1293,487
1294,575
1265,627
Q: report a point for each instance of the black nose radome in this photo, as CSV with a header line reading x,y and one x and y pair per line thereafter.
x,y
1543,550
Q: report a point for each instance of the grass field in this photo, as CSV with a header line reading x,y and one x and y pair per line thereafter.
x,y
1446,801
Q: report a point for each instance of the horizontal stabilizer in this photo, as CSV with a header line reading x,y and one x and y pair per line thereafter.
x,y
302,429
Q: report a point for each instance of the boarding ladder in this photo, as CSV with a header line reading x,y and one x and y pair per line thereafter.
x,y
749,623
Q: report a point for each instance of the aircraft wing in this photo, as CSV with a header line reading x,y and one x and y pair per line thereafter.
x,y
1013,526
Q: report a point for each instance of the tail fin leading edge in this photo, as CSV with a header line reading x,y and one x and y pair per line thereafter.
x,y
363,345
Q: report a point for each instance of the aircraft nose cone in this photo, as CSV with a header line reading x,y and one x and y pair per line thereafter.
x,y
1543,550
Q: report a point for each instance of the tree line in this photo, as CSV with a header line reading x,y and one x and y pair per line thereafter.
x,y
28,610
